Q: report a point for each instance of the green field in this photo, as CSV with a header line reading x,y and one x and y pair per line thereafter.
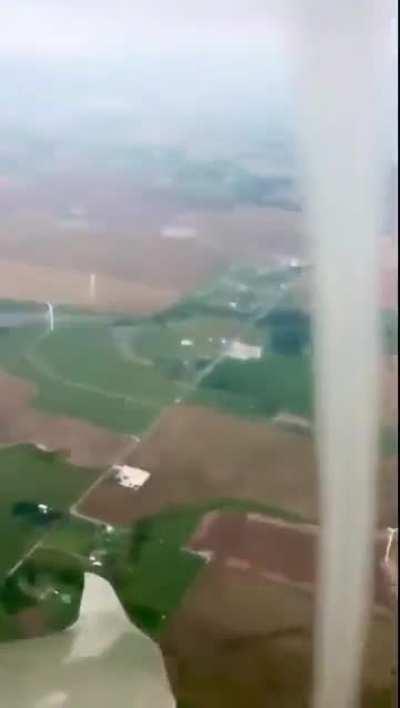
x,y
28,474
120,377
137,562
260,388
158,543
121,373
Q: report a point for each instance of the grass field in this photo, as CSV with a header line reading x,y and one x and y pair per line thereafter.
x,y
119,377
28,474
137,561
80,372
260,388
121,373
159,543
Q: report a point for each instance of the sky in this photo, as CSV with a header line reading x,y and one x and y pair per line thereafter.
x,y
190,72
85,27
166,69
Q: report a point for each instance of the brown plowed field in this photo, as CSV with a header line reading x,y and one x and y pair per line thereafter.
x,y
274,550
84,443
196,454
24,282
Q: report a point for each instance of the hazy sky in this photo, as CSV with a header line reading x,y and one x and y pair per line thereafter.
x,y
84,27
168,69
169,63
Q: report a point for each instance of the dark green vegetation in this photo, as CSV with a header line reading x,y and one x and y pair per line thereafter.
x,y
260,388
159,543
290,331
48,582
31,476
36,513
37,490
147,565
281,380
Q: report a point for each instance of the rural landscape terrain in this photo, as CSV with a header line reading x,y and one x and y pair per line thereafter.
x,y
156,417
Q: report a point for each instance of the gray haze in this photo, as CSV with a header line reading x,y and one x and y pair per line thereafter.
x,y
214,80
78,75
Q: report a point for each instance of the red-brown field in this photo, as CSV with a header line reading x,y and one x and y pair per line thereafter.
x,y
275,550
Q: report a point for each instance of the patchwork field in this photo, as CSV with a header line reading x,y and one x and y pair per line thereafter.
x,y
82,443
120,373
156,408
218,387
